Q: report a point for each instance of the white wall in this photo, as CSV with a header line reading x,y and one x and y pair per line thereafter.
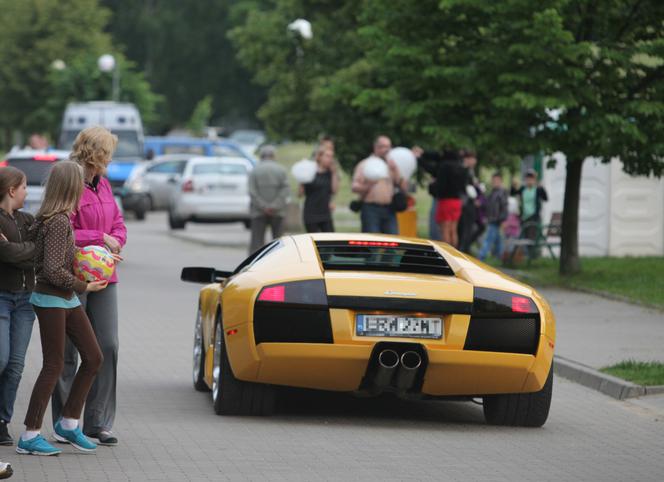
x,y
619,215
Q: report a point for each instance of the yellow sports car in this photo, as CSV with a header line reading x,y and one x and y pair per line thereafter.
x,y
369,314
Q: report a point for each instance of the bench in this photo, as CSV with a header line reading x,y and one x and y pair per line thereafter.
x,y
534,236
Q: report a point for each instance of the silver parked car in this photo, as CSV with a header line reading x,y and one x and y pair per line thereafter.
x,y
158,179
211,189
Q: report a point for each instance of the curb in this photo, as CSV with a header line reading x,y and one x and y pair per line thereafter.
x,y
607,384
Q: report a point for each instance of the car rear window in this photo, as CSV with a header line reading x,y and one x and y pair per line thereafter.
x,y
356,255
35,171
219,168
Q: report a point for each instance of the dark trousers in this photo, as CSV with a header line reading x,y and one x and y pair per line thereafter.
x,y
101,307
377,218
55,324
319,227
466,225
259,225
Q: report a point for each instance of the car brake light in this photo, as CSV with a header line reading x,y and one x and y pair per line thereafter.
x,y
188,186
4,163
373,243
521,304
273,293
45,157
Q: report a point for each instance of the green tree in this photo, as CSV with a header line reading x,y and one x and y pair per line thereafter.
x,y
182,47
34,33
296,72
200,118
512,78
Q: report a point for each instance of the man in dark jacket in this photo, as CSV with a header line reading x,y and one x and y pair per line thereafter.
x,y
496,214
531,196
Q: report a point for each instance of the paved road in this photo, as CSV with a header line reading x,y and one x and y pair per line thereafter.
x,y
169,432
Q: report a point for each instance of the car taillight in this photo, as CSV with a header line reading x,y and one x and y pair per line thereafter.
x,y
521,304
383,244
309,292
273,293
188,186
4,163
487,301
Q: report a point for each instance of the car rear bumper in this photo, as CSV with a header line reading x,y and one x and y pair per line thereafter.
x,y
211,210
342,367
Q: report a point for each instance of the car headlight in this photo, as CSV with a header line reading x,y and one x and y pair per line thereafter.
x,y
136,185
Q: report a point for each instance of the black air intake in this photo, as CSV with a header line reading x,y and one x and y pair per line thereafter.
x,y
508,335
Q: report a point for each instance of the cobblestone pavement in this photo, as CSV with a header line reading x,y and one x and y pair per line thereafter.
x,y
169,432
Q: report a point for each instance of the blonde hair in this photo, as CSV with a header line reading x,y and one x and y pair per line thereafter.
x,y
93,148
64,188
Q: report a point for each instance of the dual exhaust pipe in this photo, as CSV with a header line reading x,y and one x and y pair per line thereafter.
x,y
406,368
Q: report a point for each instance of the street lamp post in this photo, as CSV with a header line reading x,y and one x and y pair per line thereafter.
x,y
106,63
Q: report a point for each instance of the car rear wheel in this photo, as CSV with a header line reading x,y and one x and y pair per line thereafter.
x,y
232,396
520,409
199,356
174,222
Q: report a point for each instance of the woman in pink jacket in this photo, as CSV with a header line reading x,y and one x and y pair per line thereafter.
x,y
97,221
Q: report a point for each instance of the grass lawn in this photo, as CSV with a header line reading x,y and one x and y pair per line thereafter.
x,y
639,279
642,373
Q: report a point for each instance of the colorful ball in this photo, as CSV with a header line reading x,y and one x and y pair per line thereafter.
x,y
93,263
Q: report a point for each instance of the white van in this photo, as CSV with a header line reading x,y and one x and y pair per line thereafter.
x,y
123,119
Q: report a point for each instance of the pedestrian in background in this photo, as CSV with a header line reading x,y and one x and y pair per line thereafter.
x,y
469,209
269,191
376,213
17,280
96,221
60,315
319,193
531,196
447,189
496,215
428,160
511,227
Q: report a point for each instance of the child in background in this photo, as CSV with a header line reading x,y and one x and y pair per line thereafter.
x,y
512,227
496,211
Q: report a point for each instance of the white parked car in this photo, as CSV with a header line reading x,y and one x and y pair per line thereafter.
x,y
211,190
36,165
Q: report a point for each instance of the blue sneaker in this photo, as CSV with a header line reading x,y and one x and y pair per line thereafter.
x,y
74,437
36,446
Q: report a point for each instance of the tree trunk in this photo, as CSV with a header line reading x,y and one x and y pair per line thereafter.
x,y
569,248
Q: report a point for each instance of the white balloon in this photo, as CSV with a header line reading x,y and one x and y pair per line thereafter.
x,y
375,169
304,171
405,160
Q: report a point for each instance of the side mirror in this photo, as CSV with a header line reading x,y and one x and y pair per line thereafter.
x,y
203,275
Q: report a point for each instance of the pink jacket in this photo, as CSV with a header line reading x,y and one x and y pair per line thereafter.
x,y
97,214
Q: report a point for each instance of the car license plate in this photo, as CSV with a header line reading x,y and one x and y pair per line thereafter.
x,y
399,326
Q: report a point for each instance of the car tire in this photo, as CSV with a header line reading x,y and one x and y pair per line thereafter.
x,y
199,355
232,396
520,409
174,222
